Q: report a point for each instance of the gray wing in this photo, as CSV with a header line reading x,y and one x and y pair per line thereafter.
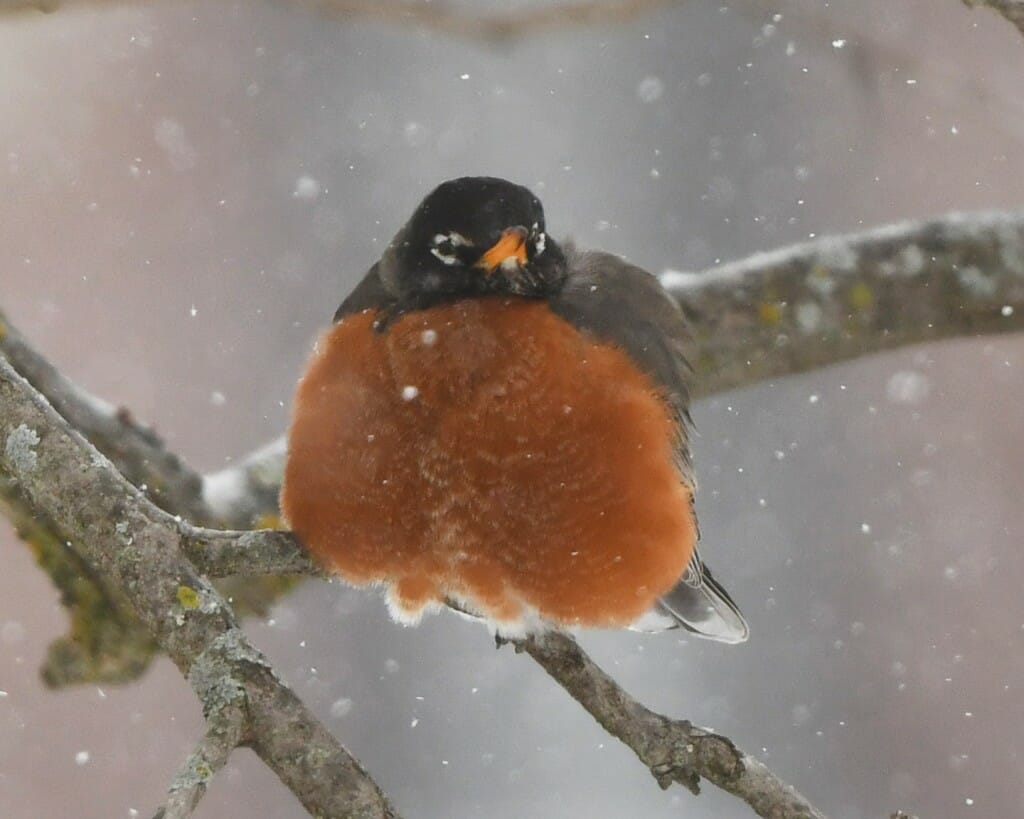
x,y
622,304
369,293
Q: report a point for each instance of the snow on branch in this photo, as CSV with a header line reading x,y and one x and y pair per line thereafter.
x,y
842,297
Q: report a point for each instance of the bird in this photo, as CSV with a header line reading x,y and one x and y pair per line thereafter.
x,y
500,422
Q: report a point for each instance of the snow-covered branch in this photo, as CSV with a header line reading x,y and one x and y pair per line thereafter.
x,y
842,297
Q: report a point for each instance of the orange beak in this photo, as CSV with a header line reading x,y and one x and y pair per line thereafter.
x,y
511,245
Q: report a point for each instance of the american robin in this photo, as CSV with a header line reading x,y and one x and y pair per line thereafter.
x,y
499,422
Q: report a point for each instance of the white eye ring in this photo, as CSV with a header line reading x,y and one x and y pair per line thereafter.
x,y
446,258
539,240
455,239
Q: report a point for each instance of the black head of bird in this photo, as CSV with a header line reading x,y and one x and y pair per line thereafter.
x,y
475,235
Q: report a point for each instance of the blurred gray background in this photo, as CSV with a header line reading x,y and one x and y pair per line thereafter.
x,y
190,188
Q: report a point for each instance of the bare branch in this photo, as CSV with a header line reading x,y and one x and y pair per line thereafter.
x,y
223,735
673,750
139,454
136,546
263,551
1012,10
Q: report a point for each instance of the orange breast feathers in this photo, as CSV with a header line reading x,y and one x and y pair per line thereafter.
x,y
489,452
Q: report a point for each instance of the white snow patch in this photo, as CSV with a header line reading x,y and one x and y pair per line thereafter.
x,y
678,279
222,490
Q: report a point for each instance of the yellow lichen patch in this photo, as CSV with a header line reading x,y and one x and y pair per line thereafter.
x,y
269,520
188,597
820,271
861,297
3,331
770,312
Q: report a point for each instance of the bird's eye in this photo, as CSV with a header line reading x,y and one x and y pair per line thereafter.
x,y
538,238
445,246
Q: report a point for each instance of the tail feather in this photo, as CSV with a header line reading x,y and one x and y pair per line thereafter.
x,y
704,608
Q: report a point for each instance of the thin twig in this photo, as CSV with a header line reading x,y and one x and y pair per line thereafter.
x,y
224,733
673,750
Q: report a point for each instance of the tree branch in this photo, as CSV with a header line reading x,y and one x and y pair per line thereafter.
x,y
136,546
1012,10
138,452
224,734
263,551
673,750
837,298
